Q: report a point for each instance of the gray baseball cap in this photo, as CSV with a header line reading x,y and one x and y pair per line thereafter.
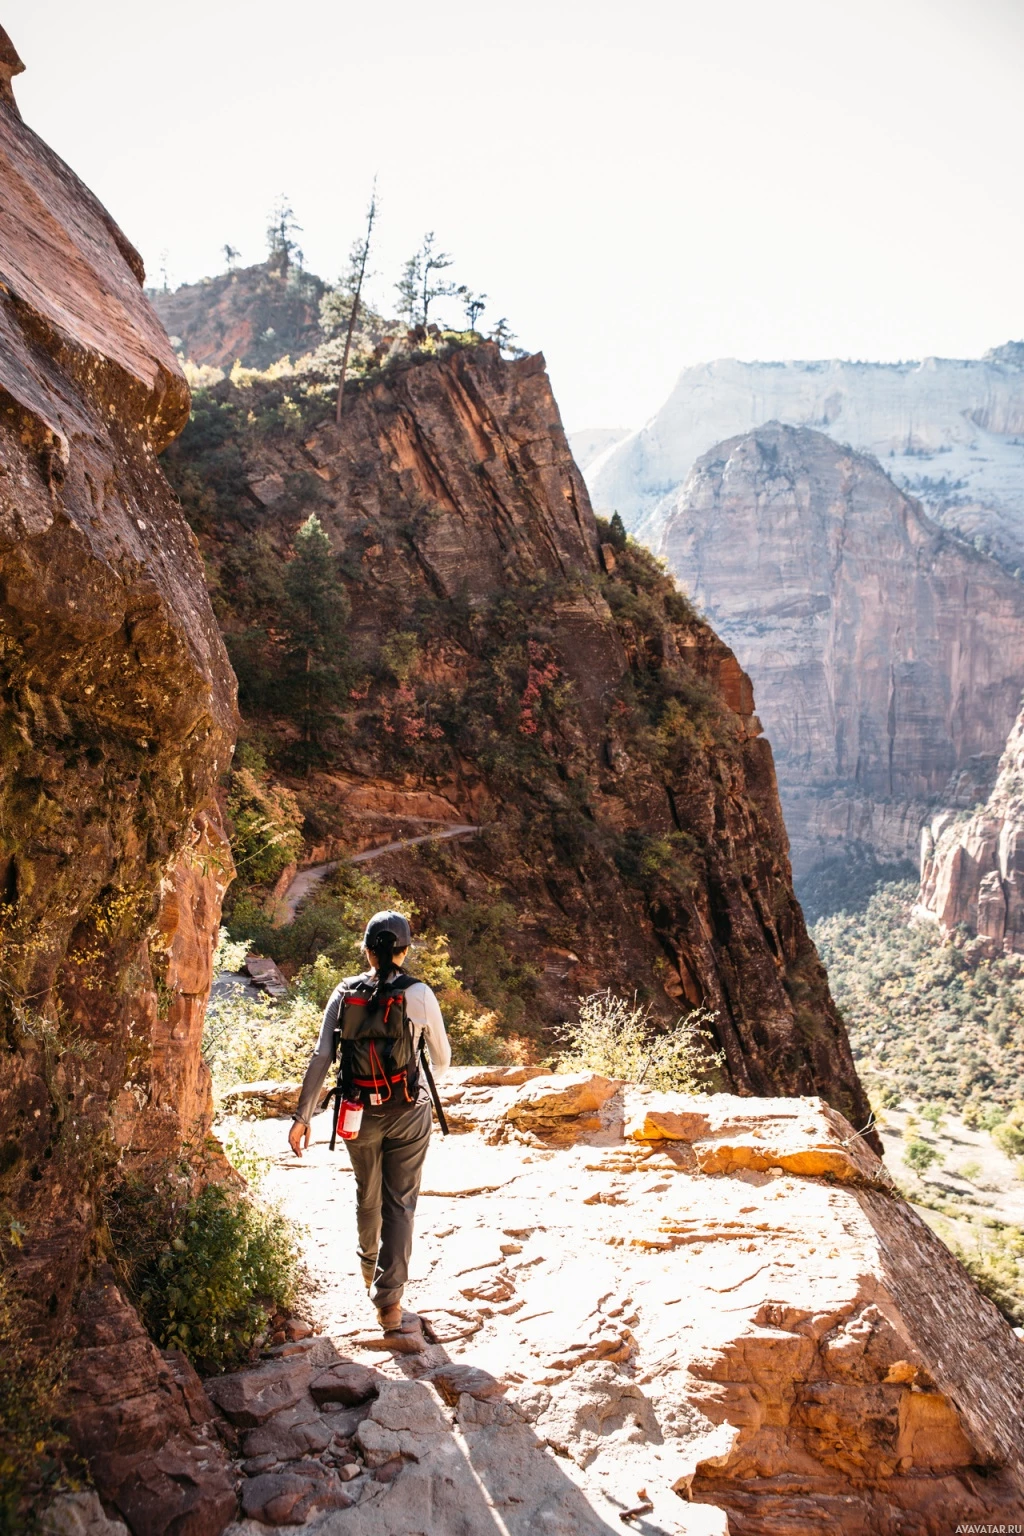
x,y
388,922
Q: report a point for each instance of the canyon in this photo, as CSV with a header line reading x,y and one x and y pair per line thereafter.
x,y
972,867
556,692
947,430
514,666
886,654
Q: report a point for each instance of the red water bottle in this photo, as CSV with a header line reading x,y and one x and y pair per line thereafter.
x,y
350,1118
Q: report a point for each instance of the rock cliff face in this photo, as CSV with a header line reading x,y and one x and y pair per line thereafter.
x,y
947,430
563,697
713,1313
972,869
886,655
252,315
117,717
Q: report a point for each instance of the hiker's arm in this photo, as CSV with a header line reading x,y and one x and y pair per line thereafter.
x,y
319,1063
425,1013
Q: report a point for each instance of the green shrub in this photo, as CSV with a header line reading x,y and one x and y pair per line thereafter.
x,y
247,1040
919,1156
1009,1134
266,827
996,1264
621,1039
205,1271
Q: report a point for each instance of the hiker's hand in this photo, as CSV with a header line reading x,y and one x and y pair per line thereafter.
x,y
298,1137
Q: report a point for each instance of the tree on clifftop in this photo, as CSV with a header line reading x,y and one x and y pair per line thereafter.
x,y
418,286
283,225
474,304
353,282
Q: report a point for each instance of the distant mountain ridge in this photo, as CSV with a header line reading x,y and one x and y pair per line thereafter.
x,y
886,655
948,431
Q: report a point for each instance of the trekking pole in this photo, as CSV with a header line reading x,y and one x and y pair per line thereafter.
x,y
442,1122
335,1094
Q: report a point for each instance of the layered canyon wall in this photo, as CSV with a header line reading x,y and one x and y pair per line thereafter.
x,y
972,867
117,716
948,431
886,655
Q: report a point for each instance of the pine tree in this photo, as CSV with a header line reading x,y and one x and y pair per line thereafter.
x,y
283,224
353,281
314,623
419,284
473,304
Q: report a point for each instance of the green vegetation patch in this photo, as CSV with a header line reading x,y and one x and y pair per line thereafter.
x,y
995,1262
621,1039
937,1019
205,1269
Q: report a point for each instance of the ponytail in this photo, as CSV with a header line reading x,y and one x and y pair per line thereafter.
x,y
382,946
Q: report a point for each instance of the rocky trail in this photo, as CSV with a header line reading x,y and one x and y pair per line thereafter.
x,y
683,1317
306,880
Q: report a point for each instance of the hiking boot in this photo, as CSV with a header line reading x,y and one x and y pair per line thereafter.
x,y
390,1317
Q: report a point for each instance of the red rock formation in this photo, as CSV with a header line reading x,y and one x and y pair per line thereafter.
x,y
720,1301
144,1423
972,868
253,315
451,497
887,655
117,717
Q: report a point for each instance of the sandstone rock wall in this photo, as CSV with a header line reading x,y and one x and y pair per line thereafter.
x,y
712,1314
117,717
972,868
252,315
947,430
886,655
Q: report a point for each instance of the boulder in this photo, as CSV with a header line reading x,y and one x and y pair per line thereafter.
x,y
265,1100
249,1398
561,1109
293,1497
501,1077
79,1514
291,1434
144,1424
347,1383
452,1380
728,1133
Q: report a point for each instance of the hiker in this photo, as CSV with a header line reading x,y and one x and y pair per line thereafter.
x,y
382,1077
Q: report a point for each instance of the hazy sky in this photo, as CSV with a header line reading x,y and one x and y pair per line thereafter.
x,y
637,184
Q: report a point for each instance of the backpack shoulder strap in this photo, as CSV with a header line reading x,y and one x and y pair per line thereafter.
x,y
402,982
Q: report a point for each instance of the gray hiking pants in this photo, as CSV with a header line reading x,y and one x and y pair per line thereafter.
x,y
387,1159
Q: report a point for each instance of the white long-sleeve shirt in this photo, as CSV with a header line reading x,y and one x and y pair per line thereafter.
x,y
424,1014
